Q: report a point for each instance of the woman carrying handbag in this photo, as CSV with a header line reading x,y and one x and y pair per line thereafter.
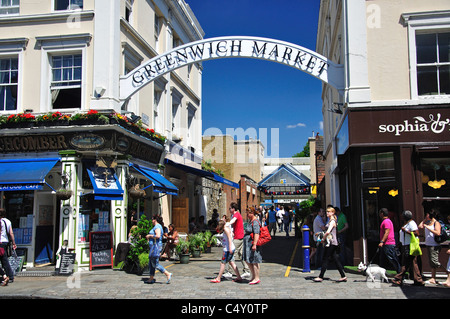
x,y
409,261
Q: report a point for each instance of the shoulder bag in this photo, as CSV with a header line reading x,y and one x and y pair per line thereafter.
x,y
414,246
264,235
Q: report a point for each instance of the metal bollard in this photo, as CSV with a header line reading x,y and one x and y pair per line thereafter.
x,y
305,246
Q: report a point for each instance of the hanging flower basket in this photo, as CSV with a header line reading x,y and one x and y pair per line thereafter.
x,y
63,194
136,192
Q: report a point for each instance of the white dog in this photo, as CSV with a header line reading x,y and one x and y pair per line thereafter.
x,y
325,241
373,271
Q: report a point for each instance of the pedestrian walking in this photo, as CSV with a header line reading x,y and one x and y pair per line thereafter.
x,y
387,240
238,231
330,252
252,253
280,214
7,236
318,226
272,218
155,244
286,220
409,262
228,252
432,227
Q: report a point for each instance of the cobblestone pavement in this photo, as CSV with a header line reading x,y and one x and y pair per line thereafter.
x,y
281,278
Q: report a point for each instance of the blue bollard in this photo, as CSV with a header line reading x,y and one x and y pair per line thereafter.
x,y
305,246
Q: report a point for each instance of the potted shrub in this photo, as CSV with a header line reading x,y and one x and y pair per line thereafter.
x,y
143,263
196,244
182,249
139,245
209,241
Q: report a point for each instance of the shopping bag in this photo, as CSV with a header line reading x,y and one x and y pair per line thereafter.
x,y
414,246
264,235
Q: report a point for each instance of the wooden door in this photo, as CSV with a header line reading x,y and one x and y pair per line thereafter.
x,y
180,213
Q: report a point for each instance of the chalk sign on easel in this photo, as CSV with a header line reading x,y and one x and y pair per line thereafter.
x,y
100,249
67,264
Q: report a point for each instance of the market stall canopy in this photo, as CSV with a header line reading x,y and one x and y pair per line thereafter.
x,y
20,174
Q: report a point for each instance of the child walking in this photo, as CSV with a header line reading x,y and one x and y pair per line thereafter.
x,y
228,252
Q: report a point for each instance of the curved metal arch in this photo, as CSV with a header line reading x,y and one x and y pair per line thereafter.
x,y
233,47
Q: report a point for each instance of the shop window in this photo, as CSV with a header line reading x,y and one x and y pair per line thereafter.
x,y
9,7
435,177
433,63
9,71
94,216
378,167
19,210
68,4
66,81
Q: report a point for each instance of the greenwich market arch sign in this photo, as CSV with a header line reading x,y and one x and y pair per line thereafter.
x,y
233,47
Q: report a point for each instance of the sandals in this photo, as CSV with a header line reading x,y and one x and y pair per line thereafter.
x,y
317,279
169,278
343,279
254,282
5,281
215,281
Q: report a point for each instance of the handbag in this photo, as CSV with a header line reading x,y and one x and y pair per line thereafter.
x,y
414,246
264,235
442,237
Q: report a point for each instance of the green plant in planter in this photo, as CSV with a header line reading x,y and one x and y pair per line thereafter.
x,y
139,244
182,247
143,260
209,240
196,244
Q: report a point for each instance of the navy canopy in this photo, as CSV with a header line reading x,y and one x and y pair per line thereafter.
x,y
25,173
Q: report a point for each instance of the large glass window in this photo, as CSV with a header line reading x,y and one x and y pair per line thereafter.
x,y
68,4
9,71
433,63
19,210
66,81
9,7
377,167
435,177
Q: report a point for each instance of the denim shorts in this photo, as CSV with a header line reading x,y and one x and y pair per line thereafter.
x,y
227,257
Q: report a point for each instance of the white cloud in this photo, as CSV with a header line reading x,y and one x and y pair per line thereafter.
x,y
296,125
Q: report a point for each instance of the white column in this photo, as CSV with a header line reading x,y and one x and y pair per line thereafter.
x,y
355,52
119,207
107,55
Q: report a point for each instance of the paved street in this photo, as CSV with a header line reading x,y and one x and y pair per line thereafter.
x,y
281,278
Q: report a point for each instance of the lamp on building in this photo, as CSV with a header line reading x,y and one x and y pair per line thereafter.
x,y
337,108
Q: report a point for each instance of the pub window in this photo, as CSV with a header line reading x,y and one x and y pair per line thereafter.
x,y
9,71
66,81
378,167
435,175
9,7
68,5
433,63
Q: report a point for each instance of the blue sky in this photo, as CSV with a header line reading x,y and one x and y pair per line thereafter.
x,y
253,94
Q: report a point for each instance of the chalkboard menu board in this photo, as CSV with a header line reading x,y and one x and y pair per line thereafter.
x,y
67,264
100,249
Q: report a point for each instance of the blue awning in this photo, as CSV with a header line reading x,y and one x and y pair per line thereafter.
x,y
160,183
105,183
25,173
202,173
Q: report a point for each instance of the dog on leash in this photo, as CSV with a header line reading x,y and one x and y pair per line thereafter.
x,y
373,271
325,241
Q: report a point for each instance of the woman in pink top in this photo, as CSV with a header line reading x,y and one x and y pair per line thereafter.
x,y
387,240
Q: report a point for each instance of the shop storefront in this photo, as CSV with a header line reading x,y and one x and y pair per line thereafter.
x,y
396,158
62,184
